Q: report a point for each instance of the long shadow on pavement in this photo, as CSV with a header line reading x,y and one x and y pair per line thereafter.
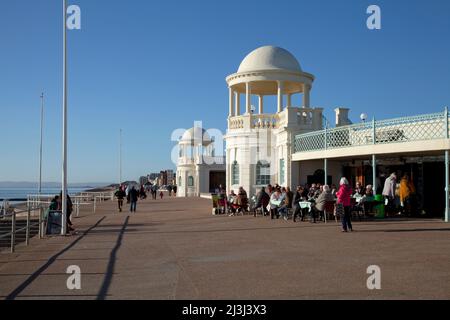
x,y
112,262
13,295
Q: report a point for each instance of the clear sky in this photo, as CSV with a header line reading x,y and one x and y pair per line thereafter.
x,y
150,67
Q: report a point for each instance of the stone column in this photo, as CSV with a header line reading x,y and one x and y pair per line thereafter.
x,y
261,104
237,98
248,97
231,95
280,96
289,100
306,95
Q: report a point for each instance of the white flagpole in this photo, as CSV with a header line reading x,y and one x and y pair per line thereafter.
x,y
120,158
64,162
40,148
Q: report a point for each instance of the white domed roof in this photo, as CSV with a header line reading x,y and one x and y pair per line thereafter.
x,y
270,58
196,133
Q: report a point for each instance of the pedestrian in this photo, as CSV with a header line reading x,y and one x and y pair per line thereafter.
x,y
133,195
389,192
120,195
161,194
344,199
175,189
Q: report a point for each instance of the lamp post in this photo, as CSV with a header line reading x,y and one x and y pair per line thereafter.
x,y
120,157
364,117
40,146
64,137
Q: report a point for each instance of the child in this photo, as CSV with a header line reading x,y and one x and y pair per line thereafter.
x,y
161,195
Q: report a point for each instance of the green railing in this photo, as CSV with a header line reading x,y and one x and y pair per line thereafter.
x,y
415,128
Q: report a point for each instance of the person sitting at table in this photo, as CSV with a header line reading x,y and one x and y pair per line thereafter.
x,y
297,198
305,192
319,206
367,201
262,201
286,204
359,191
242,200
275,202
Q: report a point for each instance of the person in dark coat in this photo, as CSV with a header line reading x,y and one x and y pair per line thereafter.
x,y
262,201
120,195
134,195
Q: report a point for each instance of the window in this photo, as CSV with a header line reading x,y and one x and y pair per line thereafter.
x,y
282,170
180,181
262,173
191,181
235,173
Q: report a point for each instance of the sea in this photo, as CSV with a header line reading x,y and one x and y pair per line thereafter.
x,y
22,193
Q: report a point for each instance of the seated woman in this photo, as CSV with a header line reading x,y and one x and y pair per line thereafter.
x,y
321,201
359,191
368,199
275,203
241,202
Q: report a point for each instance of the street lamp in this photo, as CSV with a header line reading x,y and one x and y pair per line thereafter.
x,y
364,117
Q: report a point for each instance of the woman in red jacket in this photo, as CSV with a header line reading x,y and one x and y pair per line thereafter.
x,y
344,198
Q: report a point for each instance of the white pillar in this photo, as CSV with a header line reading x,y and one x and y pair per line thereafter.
x,y
261,104
289,100
248,97
231,102
306,95
237,98
280,96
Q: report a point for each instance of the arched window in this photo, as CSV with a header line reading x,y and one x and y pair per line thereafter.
x,y
262,173
235,173
190,181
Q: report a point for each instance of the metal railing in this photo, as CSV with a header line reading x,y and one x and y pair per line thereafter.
x,y
15,222
416,128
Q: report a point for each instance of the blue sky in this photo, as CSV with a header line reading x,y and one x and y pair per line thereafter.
x,y
150,67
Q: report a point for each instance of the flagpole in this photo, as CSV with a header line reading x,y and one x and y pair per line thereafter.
x,y
64,147
120,158
40,148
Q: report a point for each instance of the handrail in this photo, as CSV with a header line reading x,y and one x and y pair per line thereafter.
x,y
404,129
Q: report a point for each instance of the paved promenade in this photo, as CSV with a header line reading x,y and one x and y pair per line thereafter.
x,y
175,249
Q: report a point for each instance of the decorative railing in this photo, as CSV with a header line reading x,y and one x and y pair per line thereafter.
x,y
415,128
265,121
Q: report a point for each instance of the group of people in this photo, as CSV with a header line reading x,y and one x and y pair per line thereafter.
x,y
56,206
133,195
278,201
400,196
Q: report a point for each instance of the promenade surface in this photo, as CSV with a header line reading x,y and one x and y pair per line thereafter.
x,y
175,249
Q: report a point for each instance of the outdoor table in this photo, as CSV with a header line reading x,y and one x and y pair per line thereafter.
x,y
306,205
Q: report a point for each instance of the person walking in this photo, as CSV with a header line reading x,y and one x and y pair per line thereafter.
x,y
120,195
389,192
344,199
133,195
161,194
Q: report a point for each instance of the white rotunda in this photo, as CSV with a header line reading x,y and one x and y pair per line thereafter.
x,y
200,170
259,143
